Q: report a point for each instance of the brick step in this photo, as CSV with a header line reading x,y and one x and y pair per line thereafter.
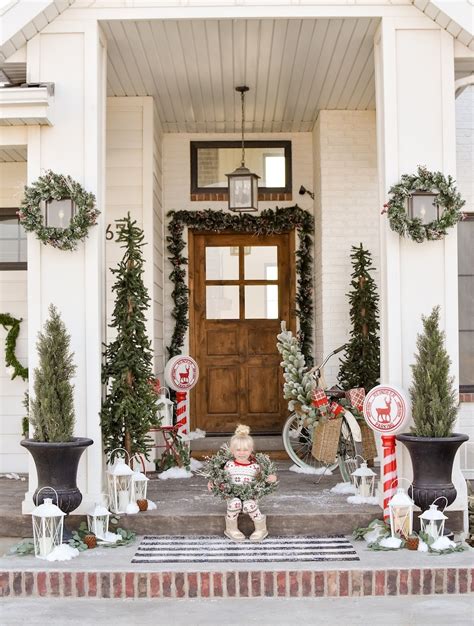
x,y
251,582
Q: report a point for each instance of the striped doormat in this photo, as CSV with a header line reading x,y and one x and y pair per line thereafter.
x,y
208,549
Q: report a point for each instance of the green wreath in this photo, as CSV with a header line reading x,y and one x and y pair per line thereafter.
x,y
12,325
222,486
448,199
53,186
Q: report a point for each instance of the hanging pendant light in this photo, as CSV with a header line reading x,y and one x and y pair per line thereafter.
x,y
242,184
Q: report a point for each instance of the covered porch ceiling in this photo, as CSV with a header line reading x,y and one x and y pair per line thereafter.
x,y
294,68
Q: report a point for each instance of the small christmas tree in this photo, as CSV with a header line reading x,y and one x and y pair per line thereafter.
x,y
52,408
130,406
360,365
432,393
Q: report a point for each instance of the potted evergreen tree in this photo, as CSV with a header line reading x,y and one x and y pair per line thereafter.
x,y
432,444
56,452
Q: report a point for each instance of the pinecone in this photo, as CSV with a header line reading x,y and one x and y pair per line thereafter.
x,y
412,543
90,540
142,505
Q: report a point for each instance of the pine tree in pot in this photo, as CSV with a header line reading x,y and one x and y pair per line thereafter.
x,y
56,452
432,444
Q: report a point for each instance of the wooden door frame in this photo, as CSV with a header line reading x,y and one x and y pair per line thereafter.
x,y
192,233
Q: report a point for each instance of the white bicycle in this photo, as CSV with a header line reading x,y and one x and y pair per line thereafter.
x,y
299,436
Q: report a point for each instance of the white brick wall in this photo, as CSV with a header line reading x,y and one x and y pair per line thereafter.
x,y
347,213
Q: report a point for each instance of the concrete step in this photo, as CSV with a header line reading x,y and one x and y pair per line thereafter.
x,y
263,443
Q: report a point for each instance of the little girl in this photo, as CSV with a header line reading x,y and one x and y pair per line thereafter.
x,y
243,469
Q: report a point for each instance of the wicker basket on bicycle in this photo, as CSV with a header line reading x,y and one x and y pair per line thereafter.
x,y
327,431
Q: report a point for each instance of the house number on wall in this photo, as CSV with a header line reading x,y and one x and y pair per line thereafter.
x,y
109,233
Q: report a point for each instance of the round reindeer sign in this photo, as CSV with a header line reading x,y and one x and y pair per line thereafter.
x,y
181,373
385,409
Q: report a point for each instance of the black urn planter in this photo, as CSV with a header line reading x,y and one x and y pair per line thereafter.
x,y
56,465
432,459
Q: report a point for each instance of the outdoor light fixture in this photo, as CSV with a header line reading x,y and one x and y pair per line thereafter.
x,y
48,524
59,213
423,205
242,184
432,521
98,521
139,486
401,514
363,479
119,480
303,190
165,408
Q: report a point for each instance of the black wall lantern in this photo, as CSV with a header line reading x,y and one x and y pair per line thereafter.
x,y
423,205
59,213
242,184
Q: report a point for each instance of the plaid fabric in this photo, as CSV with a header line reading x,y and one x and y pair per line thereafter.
x,y
356,397
336,409
320,398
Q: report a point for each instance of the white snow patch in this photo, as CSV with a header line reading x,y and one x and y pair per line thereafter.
x,y
64,552
194,434
195,464
442,543
175,472
344,488
391,542
422,546
132,508
311,470
151,505
109,538
373,535
362,500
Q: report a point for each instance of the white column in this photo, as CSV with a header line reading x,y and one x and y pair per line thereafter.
x,y
414,70
73,57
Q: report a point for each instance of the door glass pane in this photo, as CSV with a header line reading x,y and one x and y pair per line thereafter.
x,y
222,302
261,302
261,263
222,263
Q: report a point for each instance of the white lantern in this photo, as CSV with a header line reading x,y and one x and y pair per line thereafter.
x,y
119,478
401,514
98,521
48,524
363,479
432,521
165,408
139,486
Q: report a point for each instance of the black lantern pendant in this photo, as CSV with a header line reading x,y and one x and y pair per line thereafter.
x,y
242,184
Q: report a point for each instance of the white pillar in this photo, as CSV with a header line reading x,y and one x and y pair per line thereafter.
x,y
72,55
414,70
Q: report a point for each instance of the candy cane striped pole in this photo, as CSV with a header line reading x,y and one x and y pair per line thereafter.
x,y
390,479
182,412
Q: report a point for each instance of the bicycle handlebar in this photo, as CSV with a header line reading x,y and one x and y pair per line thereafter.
x,y
317,368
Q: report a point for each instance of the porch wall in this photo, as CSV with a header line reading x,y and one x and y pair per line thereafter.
x,y
347,213
13,300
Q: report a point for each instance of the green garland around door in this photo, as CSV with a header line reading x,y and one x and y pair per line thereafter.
x,y
12,325
268,222
53,186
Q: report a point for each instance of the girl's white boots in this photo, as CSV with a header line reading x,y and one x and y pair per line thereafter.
x,y
232,531
260,531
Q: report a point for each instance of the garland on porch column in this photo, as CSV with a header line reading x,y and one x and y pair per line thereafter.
x,y
14,367
268,222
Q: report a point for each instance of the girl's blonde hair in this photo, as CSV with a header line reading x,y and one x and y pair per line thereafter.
x,y
241,439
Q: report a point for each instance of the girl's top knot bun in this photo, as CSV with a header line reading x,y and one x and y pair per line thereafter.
x,y
242,431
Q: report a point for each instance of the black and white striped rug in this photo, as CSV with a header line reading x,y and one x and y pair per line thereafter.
x,y
207,549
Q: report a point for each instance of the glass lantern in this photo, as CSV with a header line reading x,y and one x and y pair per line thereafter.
x,y
165,408
401,514
243,190
119,480
48,525
98,521
139,486
423,205
363,479
432,521
59,213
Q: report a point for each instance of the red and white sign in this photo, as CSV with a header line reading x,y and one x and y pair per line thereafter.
x,y
386,409
181,373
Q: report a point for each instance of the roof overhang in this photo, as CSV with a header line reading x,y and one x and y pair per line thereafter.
x,y
27,105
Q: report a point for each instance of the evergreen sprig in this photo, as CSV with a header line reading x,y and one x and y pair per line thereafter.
x,y
130,406
268,222
433,397
360,364
52,407
12,325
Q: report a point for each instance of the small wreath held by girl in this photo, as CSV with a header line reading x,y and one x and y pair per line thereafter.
x,y
241,477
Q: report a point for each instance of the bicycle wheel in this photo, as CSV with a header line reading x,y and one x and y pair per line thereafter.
x,y
298,442
347,452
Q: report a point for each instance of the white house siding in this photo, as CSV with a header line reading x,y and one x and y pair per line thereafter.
x,y
347,213
13,457
133,184
465,183
176,181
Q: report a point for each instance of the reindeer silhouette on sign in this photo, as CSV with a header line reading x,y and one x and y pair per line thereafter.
x,y
184,376
383,414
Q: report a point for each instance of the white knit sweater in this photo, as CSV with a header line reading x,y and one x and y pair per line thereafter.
x,y
242,473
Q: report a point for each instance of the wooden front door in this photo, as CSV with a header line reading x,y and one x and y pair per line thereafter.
x,y
241,287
